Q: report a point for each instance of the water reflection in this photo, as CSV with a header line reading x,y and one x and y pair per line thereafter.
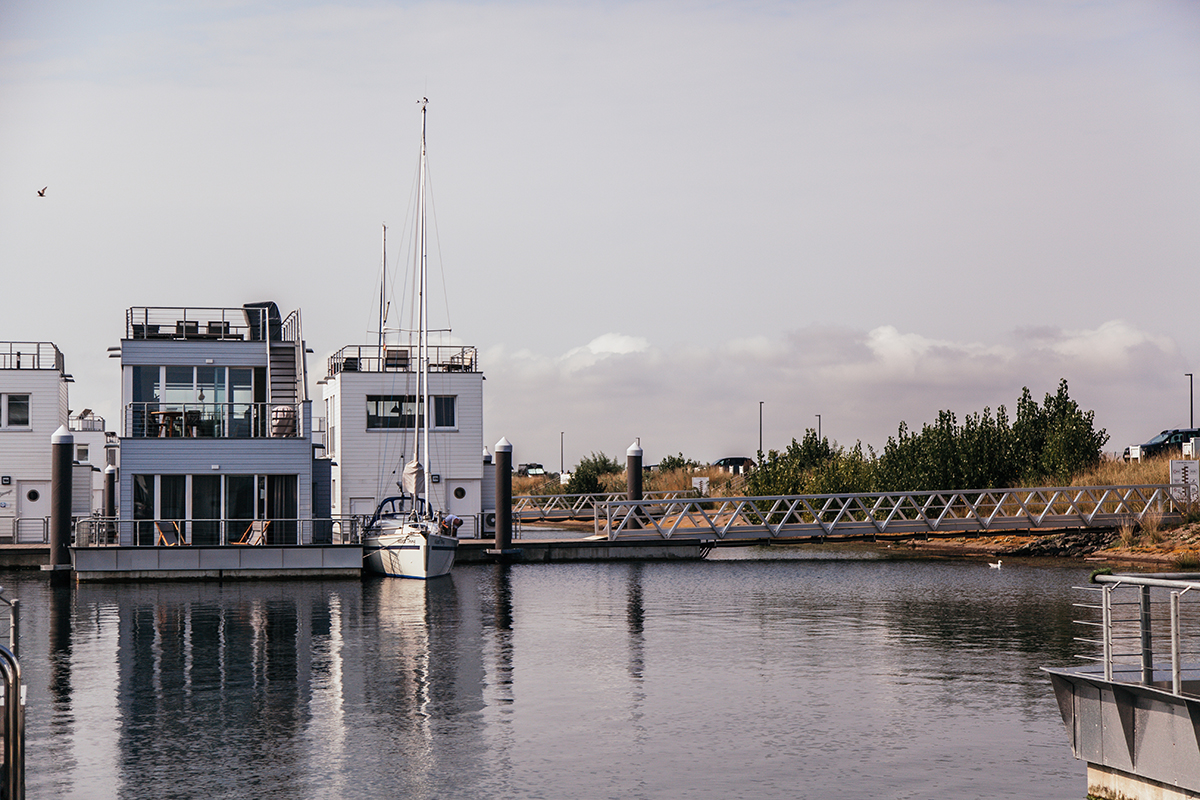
x,y
878,679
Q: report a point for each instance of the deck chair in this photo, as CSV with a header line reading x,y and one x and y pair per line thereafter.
x,y
168,534
256,534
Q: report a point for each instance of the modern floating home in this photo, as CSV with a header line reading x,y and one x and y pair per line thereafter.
x,y
373,414
218,471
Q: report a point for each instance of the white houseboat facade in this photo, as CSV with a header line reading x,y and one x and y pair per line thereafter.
x,y
33,405
372,414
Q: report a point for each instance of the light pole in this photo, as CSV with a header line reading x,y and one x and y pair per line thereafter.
x,y
561,465
760,405
818,428
1191,400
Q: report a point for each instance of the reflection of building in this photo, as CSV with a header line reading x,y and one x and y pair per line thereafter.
x,y
372,412
33,405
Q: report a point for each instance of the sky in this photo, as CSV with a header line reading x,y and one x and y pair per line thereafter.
x,y
653,219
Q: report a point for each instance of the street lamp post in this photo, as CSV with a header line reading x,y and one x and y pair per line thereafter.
x,y
760,405
561,434
818,427
1191,400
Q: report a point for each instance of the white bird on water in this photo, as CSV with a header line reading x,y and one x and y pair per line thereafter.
x,y
996,565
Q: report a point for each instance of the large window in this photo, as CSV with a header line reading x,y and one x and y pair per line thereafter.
x,y
192,505
387,411
14,410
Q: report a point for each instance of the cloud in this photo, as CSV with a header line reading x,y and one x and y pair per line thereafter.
x,y
704,401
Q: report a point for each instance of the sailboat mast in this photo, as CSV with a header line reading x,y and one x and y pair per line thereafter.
x,y
424,304
382,300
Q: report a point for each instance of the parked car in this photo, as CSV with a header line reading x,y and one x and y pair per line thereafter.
x,y
735,464
1169,441
530,469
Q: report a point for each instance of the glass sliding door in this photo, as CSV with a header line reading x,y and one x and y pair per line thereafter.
x,y
143,509
240,508
206,509
282,509
172,505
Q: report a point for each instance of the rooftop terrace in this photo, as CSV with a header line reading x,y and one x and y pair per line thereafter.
x,y
252,322
30,355
402,358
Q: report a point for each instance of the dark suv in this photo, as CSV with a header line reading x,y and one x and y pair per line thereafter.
x,y
1167,442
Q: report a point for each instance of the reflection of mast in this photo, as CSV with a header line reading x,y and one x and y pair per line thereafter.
x,y
635,616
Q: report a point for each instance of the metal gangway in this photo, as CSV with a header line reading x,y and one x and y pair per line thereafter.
x,y
884,515
562,507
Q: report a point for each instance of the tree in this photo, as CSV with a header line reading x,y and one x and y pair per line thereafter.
x,y
670,463
585,478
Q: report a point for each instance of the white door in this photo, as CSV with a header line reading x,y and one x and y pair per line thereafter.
x,y
33,507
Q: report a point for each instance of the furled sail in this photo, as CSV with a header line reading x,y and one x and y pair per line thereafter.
x,y
413,477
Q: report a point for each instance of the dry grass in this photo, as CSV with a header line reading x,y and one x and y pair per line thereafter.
x,y
1127,531
1152,532
1121,473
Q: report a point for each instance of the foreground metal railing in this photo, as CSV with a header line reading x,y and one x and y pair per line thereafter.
x,y
12,719
97,531
551,507
1133,620
886,513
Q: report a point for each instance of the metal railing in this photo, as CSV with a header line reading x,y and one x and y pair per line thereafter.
x,y
402,358
886,513
557,507
98,531
24,530
213,420
1132,622
12,721
30,355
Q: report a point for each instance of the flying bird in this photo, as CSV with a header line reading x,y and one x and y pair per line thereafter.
x,y
42,191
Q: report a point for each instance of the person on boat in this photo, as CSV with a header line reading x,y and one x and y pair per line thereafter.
x,y
450,524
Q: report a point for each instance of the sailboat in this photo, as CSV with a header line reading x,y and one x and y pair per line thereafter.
x,y
403,539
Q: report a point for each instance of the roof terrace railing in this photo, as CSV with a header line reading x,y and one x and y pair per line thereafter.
x,y
254,322
30,355
402,358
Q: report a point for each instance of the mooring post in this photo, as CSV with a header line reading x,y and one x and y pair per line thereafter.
x,y
633,481
110,502
503,458
62,458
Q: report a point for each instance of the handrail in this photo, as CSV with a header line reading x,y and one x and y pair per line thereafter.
x,y
14,726
1116,627
579,506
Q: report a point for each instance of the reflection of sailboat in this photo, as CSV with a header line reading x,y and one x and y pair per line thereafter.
x,y
417,542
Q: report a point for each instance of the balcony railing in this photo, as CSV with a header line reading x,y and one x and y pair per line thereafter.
x,y
213,420
254,322
97,531
395,358
30,355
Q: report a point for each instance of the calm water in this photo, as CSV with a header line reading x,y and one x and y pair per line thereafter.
x,y
810,675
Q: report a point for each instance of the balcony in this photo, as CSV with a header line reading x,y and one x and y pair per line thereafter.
x,y
213,421
30,355
252,322
396,358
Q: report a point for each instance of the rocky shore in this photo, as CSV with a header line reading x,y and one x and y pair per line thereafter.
x,y
1175,548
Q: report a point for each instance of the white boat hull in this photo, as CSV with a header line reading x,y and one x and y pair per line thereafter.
x,y
411,550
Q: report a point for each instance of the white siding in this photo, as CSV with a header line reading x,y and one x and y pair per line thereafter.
x,y
368,462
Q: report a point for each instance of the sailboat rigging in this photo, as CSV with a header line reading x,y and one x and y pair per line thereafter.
x,y
418,541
